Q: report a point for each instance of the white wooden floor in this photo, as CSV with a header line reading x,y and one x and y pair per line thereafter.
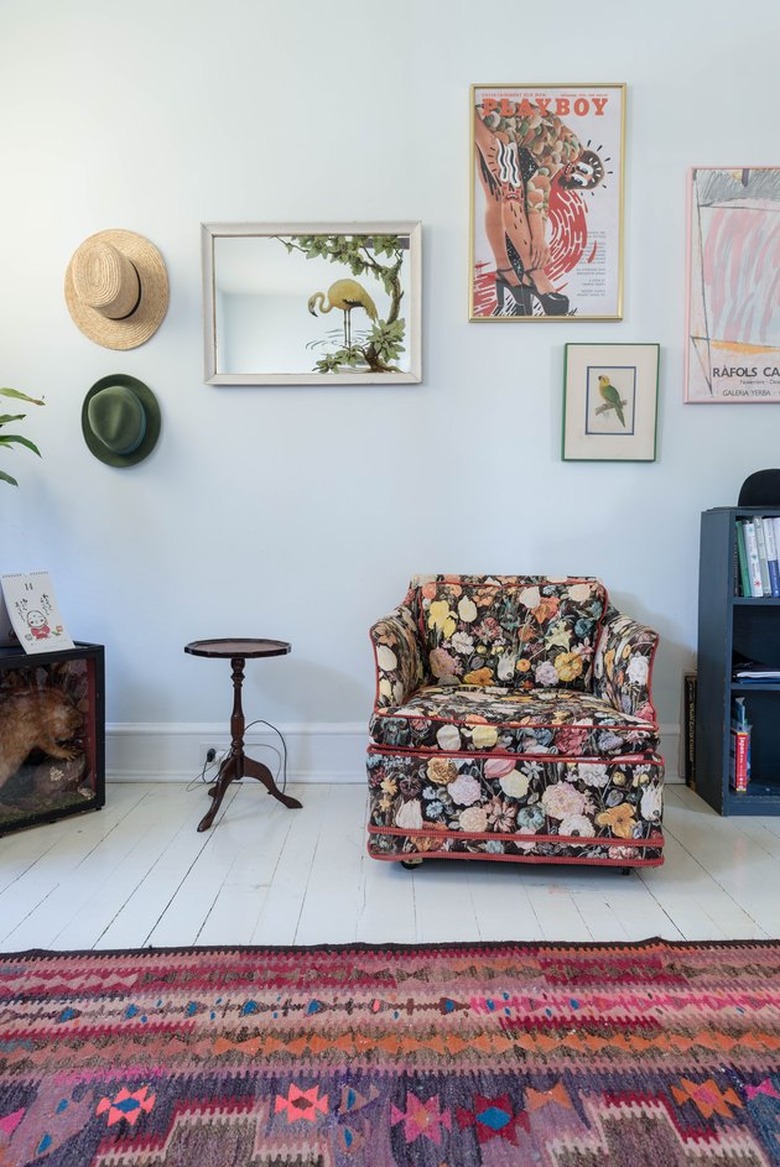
x,y
137,873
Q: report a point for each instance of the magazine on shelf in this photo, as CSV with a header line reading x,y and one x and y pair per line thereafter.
x,y
755,671
29,616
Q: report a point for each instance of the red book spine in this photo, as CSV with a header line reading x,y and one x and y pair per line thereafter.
x,y
740,743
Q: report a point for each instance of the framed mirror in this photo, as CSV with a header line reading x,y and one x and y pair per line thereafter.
x,y
312,303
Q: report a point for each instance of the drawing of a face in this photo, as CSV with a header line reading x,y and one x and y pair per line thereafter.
x,y
36,620
585,172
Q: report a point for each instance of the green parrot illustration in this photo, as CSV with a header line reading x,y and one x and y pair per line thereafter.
x,y
612,399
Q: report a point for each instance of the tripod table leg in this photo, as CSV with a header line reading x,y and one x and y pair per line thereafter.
x,y
258,770
227,772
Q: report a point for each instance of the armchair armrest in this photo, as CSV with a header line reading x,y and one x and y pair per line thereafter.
x,y
398,657
623,664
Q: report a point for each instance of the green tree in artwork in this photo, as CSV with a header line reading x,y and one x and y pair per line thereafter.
x,y
381,256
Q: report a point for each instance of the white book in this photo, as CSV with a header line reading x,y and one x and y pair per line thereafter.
x,y
751,546
775,523
29,615
763,558
768,524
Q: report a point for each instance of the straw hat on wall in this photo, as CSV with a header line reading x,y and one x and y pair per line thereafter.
x,y
116,289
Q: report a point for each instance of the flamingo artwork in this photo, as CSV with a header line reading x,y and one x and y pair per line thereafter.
x,y
346,295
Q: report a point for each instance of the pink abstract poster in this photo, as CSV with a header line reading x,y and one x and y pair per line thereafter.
x,y
733,340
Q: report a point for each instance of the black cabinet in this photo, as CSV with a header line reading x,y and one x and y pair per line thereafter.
x,y
733,627
52,734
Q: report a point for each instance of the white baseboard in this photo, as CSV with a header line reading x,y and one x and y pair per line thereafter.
x,y
328,752
175,752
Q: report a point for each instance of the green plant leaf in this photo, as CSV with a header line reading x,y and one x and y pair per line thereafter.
x,y
21,396
328,363
7,439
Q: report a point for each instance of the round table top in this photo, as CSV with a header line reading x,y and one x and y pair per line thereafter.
x,y
234,646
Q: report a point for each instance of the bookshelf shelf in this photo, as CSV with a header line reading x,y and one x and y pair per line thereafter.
x,y
734,627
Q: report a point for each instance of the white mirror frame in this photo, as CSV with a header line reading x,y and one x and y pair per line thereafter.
x,y
321,343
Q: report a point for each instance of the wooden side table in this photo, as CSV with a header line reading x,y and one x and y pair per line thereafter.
x,y
237,765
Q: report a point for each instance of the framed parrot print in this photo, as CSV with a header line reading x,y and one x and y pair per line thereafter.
x,y
610,402
311,303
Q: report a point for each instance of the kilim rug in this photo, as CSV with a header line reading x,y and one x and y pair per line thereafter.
x,y
654,1054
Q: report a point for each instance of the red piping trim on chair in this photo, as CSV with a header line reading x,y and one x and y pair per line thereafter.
x,y
530,725
508,837
572,859
588,760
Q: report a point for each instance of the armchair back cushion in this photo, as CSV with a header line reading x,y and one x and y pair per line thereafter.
x,y
521,631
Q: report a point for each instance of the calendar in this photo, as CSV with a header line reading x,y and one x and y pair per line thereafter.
x,y
29,615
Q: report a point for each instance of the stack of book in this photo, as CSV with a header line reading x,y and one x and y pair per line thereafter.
x,y
739,753
752,672
758,541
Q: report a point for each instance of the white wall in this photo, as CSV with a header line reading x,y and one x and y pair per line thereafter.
x,y
300,513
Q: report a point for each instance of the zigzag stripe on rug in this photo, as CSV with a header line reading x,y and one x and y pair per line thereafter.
x,y
658,1053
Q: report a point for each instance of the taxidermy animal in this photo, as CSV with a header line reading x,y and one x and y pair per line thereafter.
x,y
612,399
346,295
30,719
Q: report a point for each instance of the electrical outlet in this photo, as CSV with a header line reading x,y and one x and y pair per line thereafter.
x,y
211,751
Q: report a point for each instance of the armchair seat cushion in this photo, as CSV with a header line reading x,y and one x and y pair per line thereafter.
x,y
493,719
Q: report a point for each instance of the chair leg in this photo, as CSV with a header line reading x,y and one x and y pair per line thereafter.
x,y
410,864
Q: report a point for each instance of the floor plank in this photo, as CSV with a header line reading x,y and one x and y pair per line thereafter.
x,y
281,912
138,873
82,898
331,908
153,876
75,841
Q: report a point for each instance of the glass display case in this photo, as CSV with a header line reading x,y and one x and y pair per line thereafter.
x,y
52,734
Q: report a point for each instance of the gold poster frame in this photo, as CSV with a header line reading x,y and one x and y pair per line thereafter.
x,y
547,202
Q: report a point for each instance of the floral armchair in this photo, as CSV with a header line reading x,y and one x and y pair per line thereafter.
x,y
513,721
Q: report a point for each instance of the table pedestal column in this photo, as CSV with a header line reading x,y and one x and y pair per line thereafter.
x,y
237,765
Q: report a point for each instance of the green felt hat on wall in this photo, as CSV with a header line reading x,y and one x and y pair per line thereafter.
x,y
120,419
